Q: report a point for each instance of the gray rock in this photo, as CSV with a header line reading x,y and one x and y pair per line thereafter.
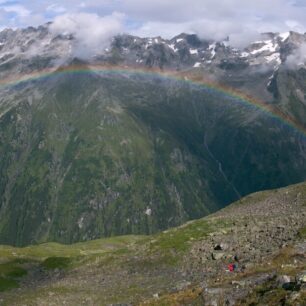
x,y
217,255
301,278
283,279
221,247
182,285
239,283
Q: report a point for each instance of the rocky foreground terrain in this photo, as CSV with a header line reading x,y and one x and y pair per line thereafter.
x,y
264,235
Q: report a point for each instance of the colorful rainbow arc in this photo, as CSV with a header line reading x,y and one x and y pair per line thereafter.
x,y
174,75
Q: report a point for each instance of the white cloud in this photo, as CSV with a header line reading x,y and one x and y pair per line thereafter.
x,y
92,33
205,29
55,8
297,58
17,9
295,26
82,5
240,20
164,29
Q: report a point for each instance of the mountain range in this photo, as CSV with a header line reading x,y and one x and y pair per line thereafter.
x,y
92,153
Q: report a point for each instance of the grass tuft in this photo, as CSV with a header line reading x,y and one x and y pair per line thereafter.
x,y
7,284
53,263
302,233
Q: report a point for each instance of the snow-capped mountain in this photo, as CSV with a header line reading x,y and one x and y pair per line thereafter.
x,y
251,69
41,46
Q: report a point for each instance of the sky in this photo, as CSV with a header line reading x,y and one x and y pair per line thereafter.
x,y
96,20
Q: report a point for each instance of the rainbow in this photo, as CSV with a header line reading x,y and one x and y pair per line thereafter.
x,y
186,76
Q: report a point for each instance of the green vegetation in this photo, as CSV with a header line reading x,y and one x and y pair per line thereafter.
x,y
266,295
10,274
185,297
52,263
46,250
302,233
12,269
181,238
99,157
110,252
7,283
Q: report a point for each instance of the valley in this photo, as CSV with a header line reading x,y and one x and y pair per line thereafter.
x,y
152,153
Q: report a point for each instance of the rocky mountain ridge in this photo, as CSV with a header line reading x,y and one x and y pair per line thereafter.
x,y
181,52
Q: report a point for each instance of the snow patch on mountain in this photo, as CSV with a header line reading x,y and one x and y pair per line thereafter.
x,y
172,46
268,46
275,57
284,36
212,49
244,54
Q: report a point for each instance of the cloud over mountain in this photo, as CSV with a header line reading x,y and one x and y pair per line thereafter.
x,y
239,20
297,58
91,31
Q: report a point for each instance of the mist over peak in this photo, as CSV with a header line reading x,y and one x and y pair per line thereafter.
x,y
92,33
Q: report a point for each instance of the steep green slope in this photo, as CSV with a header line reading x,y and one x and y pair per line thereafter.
x,y
85,156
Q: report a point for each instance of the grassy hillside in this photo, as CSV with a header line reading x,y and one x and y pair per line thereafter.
x,y
265,232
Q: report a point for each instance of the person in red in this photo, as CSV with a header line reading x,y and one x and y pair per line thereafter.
x,y
231,267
